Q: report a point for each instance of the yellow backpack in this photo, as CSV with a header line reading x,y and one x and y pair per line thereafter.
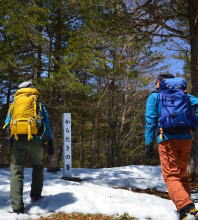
x,y
24,113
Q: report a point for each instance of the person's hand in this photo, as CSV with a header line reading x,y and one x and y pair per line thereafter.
x,y
50,148
149,151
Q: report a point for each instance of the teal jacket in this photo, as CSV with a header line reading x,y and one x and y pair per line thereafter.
x,y
46,131
152,115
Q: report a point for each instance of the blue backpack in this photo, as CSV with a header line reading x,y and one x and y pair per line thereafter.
x,y
176,115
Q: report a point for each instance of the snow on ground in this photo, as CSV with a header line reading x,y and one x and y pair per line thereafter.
x,y
141,177
94,194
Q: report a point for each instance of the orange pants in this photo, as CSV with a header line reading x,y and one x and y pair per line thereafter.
x,y
174,155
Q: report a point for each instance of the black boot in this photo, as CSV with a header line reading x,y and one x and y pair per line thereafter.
x,y
35,198
19,211
188,210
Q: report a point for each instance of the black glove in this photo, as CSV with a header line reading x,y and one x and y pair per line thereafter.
x,y
50,148
149,151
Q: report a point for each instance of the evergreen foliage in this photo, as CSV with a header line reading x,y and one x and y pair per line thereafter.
x,y
91,58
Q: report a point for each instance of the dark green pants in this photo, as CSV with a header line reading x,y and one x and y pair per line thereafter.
x,y
20,150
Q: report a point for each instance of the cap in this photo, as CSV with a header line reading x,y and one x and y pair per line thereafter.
x,y
165,76
25,84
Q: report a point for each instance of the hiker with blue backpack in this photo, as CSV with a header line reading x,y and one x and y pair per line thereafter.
x,y
29,128
172,115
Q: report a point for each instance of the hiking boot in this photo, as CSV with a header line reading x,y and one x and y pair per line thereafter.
x,y
35,198
19,211
187,211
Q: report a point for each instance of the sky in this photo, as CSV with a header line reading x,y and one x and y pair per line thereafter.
x,y
96,194
171,49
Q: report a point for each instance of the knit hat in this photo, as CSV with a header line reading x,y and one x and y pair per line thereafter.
x,y
25,84
165,76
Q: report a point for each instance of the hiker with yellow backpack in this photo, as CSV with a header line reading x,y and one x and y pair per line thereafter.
x,y
29,130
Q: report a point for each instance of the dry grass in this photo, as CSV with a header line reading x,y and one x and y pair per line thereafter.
x,y
79,216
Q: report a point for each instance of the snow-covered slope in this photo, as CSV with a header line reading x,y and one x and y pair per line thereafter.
x,y
94,194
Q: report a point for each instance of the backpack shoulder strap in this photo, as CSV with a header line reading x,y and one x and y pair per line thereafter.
x,y
8,116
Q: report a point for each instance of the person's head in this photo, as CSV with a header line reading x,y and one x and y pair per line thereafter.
x,y
162,77
26,84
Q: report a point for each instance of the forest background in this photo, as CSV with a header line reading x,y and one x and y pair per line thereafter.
x,y
98,60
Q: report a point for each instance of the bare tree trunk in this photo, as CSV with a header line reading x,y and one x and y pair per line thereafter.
x,y
81,145
112,126
93,142
57,55
3,142
54,124
193,23
50,56
54,159
39,62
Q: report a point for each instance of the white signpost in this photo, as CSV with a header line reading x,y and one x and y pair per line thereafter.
x,y
67,151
